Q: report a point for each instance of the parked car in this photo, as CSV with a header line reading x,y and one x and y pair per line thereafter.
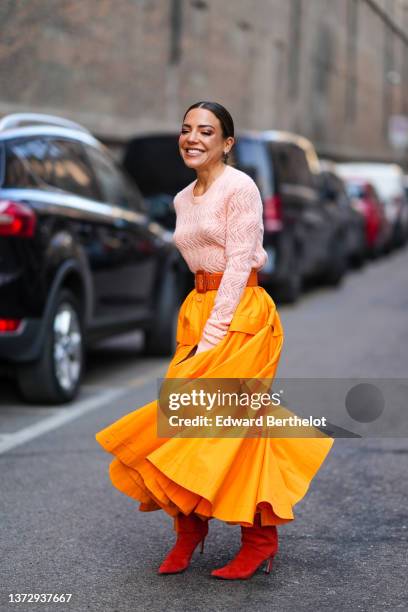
x,y
79,257
302,235
334,189
378,229
388,181
155,164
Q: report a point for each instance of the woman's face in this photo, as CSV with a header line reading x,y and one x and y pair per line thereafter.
x,y
201,142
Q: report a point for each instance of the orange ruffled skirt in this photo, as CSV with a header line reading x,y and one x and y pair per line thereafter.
x,y
225,478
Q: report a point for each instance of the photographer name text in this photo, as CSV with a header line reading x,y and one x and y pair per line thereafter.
x,y
259,421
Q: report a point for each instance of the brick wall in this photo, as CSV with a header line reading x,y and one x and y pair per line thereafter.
x,y
318,67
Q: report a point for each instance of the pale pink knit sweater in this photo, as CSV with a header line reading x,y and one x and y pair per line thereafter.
x,y
221,231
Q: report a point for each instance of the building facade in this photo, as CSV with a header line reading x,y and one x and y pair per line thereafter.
x,y
334,71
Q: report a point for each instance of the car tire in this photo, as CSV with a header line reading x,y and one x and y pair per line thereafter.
x,y
288,291
338,263
160,338
357,260
56,376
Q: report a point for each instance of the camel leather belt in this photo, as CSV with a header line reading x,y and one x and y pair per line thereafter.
x,y
207,281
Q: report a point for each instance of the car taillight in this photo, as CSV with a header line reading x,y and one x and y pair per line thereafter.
x,y
273,213
9,325
16,219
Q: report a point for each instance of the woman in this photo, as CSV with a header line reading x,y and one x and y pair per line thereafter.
x,y
228,327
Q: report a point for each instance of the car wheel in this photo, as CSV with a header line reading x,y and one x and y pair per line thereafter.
x,y
288,291
338,263
56,376
357,260
160,338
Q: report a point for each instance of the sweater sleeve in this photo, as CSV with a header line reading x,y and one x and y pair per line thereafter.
x,y
244,224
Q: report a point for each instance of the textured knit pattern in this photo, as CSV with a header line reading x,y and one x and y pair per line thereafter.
x,y
221,231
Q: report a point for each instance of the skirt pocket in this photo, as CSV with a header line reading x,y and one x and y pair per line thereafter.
x,y
246,324
188,355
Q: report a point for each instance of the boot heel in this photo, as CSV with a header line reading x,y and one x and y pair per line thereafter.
x,y
258,544
202,545
268,565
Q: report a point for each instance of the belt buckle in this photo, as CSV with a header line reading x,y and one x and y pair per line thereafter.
x,y
200,281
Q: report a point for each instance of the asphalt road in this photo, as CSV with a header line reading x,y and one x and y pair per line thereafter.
x,y
65,529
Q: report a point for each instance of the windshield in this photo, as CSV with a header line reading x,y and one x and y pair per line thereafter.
x,y
154,162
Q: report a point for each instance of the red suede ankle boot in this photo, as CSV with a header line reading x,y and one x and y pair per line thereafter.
x,y
258,545
190,531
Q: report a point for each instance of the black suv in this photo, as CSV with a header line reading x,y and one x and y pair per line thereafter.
x,y
304,234
79,257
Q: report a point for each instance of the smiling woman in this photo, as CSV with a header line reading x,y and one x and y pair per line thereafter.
x,y
228,328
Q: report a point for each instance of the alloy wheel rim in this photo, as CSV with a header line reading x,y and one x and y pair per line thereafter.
x,y
67,346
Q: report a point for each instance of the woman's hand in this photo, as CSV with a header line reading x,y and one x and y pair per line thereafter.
x,y
203,345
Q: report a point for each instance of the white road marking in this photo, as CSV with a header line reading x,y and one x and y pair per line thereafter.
x,y
64,415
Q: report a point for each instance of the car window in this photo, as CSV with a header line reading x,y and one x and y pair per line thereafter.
x,y
17,172
291,164
25,165
327,186
115,186
68,168
250,156
340,190
48,162
155,164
